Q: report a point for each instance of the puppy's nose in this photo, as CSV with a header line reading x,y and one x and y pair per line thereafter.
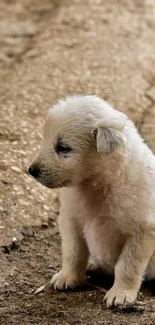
x,y
34,171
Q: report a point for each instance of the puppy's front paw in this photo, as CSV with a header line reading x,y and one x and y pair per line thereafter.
x,y
64,282
117,296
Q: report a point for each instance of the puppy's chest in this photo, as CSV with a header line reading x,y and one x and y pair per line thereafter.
x,y
103,239
100,230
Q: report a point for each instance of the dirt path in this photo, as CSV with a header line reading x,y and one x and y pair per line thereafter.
x,y
50,49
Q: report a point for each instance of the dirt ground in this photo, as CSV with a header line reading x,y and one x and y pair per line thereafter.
x,y
50,49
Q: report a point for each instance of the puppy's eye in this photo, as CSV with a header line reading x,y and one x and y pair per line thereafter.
x,y
62,149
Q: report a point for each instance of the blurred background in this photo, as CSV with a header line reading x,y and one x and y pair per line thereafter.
x,y
50,49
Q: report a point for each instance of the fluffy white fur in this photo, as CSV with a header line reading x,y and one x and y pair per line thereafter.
x,y
107,181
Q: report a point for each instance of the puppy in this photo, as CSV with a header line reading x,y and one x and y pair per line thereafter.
x,y
106,176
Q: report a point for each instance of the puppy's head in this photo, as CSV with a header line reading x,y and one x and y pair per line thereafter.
x,y
79,133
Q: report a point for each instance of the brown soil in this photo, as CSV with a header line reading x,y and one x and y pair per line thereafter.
x,y
49,49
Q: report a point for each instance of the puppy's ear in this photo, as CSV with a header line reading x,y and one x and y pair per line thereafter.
x,y
109,136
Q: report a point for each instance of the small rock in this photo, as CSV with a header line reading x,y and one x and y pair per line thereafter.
x,y
15,243
31,291
6,249
27,231
45,224
15,169
39,289
4,182
21,152
46,208
52,267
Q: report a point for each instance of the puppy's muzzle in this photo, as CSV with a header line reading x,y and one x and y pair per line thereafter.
x,y
34,170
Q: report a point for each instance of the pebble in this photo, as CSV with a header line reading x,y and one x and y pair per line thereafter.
x,y
39,289
15,169
45,224
15,243
46,208
27,231
21,152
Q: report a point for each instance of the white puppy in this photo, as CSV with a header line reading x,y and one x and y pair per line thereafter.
x,y
107,175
